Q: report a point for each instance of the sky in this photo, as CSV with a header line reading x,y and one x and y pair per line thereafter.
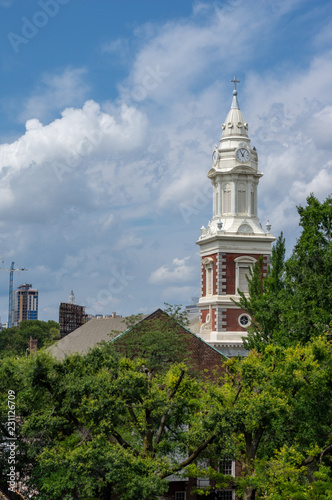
x,y
109,112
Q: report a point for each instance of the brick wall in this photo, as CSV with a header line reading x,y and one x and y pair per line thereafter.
x,y
232,320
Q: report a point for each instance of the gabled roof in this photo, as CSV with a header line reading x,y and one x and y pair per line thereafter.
x,y
98,330
203,358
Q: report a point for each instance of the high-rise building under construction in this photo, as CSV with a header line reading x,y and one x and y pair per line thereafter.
x,y
24,304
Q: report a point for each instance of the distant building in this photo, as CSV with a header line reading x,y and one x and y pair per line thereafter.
x,y
71,316
24,304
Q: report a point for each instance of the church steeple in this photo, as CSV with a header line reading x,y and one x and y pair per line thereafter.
x,y
234,124
234,176
234,238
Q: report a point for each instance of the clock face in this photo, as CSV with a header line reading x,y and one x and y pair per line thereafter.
x,y
242,155
215,157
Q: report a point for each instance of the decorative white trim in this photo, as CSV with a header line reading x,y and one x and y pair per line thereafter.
x,y
247,316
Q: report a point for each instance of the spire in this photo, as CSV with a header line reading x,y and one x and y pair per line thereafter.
x,y
234,125
235,103
72,298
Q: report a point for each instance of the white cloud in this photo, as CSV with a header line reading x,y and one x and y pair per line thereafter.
x,y
54,92
124,186
180,273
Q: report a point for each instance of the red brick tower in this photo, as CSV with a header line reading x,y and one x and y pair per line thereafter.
x,y
234,238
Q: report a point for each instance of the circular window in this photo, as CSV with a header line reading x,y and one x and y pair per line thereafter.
x,y
244,320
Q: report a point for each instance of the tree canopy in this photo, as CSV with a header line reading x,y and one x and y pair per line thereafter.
x,y
15,341
294,302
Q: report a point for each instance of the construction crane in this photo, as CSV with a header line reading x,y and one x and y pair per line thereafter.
x,y
11,281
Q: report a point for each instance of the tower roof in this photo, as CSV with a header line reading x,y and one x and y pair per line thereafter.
x,y
234,125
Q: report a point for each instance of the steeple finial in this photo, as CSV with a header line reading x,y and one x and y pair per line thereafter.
x,y
235,81
235,103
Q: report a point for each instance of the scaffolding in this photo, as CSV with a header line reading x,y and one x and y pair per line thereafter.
x,y
71,316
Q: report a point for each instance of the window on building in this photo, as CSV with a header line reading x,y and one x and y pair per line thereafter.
x,y
242,199
226,467
243,282
242,265
208,263
227,199
180,495
203,482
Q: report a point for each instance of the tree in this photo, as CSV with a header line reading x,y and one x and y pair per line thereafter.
x,y
272,400
308,273
266,299
15,341
293,303
103,424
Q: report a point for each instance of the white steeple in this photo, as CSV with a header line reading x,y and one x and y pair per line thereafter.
x,y
234,239
234,176
72,299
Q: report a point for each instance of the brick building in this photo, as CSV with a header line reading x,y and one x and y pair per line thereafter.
x,y
234,239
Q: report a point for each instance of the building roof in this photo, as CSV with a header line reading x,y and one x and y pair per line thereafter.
x,y
98,330
87,336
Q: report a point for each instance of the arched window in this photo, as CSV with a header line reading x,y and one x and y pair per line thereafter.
x,y
242,265
208,263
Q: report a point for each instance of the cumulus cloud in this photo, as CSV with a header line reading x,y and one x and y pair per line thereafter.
x,y
68,146
123,185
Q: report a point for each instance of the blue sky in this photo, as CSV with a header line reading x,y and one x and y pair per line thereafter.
x,y
109,114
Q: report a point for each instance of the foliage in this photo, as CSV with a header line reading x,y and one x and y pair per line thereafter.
x,y
102,424
287,476
275,399
159,340
15,341
265,302
309,271
293,303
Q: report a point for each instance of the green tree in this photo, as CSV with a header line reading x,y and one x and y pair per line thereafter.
x,y
293,303
266,300
308,274
15,341
267,403
104,424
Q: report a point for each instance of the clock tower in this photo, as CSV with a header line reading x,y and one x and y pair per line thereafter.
x,y
234,238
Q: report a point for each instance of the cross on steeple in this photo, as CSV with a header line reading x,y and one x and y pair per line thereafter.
x,y
235,81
